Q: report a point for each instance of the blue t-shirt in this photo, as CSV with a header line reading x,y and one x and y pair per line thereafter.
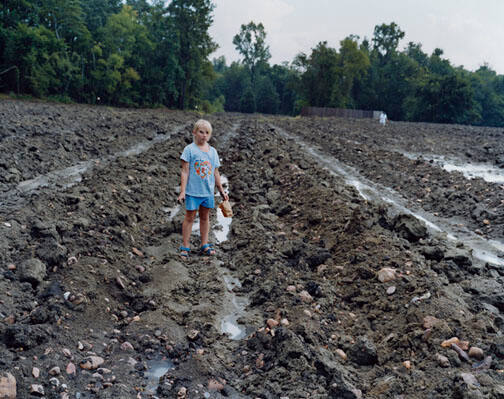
x,y
201,181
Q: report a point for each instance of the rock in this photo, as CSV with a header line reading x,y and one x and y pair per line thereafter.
x,y
432,253
409,227
37,390
407,364
476,353
35,373
447,343
272,323
92,363
126,346
341,354
442,360
55,371
33,271
391,290
387,274
469,379
363,352
214,385
182,393
305,296
71,369
193,335
431,321
8,387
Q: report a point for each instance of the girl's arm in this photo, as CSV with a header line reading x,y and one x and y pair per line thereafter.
x,y
184,176
219,185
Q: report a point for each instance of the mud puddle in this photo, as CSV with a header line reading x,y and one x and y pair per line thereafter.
x,y
487,172
491,251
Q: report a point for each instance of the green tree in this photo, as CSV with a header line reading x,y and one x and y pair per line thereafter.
x,y
251,44
386,38
191,21
444,99
248,101
352,65
318,74
267,98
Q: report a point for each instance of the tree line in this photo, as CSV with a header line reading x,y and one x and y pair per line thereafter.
x,y
153,53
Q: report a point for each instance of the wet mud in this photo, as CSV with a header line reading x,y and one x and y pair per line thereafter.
x,y
317,289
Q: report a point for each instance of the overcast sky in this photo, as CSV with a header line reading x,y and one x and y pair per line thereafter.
x,y
470,32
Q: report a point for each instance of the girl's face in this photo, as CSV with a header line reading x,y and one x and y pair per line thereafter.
x,y
201,135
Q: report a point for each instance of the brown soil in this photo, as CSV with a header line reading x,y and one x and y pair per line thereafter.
x,y
90,262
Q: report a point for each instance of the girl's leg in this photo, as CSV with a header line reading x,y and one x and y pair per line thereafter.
x,y
187,228
204,217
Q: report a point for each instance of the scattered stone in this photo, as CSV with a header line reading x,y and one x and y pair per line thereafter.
x,y
193,335
11,266
484,364
67,352
305,296
442,360
272,323
71,369
182,393
137,252
126,346
430,322
284,322
476,353
447,343
33,271
214,385
364,352
462,354
55,371
8,387
387,274
407,364
35,373
291,288
92,363
37,389
470,380
341,354
391,290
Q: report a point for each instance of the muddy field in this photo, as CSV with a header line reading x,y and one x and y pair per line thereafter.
x,y
356,265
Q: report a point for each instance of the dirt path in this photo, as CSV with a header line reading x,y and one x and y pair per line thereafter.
x,y
293,305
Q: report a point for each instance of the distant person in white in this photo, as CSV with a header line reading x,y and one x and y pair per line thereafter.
x,y
383,118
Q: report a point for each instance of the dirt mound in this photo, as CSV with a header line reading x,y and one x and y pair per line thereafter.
x,y
316,291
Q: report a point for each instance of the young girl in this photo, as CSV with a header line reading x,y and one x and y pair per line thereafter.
x,y
199,175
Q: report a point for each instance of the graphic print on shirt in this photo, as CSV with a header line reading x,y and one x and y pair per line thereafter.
x,y
203,168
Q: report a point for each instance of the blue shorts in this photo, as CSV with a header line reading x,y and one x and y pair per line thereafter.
x,y
193,203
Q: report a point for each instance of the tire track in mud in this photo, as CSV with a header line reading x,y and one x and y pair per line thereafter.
x,y
491,251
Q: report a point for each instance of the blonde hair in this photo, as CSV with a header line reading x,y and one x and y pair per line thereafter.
x,y
202,123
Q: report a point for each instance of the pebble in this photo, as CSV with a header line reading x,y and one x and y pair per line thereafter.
x,y
8,386
35,372
291,288
193,335
92,362
182,393
272,323
430,321
447,343
391,290
71,369
55,371
284,322
214,385
137,252
341,354
67,352
476,353
307,312
442,360
407,364
387,274
140,268
305,296
11,266
37,389
126,346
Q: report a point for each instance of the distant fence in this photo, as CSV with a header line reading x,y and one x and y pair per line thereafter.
x,y
339,112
